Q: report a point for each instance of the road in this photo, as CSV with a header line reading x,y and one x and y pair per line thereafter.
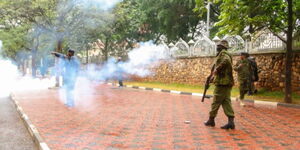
x,y
13,134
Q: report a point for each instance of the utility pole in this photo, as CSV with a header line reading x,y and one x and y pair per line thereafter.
x,y
208,16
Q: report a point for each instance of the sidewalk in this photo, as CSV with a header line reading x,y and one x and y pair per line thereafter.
x,y
126,118
13,134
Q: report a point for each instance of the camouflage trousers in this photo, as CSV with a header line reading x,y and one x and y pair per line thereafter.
x,y
222,97
244,88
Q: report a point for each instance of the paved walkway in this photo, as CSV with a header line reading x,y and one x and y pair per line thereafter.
x,y
13,134
122,118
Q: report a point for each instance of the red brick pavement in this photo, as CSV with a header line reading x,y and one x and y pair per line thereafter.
x,y
113,118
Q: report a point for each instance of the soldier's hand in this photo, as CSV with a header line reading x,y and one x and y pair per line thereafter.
x,y
215,73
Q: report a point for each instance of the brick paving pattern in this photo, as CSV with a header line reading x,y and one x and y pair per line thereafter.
x,y
111,118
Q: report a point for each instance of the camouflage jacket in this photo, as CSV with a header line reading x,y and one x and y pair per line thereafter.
x,y
223,68
242,67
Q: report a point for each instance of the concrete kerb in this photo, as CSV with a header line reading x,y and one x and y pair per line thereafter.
x,y
255,102
38,140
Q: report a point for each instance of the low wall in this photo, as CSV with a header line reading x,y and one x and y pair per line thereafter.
x,y
195,70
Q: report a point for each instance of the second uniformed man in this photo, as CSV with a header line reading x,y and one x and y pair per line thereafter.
x,y
242,67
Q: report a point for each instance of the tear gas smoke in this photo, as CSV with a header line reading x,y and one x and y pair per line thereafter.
x,y
103,4
7,77
10,79
140,61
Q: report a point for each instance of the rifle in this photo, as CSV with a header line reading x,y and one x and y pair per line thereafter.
x,y
206,86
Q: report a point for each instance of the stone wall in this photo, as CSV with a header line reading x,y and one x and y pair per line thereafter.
x,y
195,70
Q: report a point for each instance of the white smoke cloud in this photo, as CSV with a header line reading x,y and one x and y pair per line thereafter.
x,y
8,77
140,61
106,4
102,4
11,80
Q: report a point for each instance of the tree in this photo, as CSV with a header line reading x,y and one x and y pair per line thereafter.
x,y
19,16
53,24
278,16
173,18
129,20
140,20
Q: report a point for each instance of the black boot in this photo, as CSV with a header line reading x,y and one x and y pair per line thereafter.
x,y
230,124
255,91
210,122
250,93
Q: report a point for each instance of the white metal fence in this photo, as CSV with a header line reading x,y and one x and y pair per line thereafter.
x,y
263,42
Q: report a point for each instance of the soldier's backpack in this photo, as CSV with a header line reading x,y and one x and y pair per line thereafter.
x,y
254,69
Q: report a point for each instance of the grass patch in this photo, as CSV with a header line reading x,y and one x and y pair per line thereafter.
x,y
262,94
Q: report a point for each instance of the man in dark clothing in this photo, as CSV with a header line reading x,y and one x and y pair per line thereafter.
x,y
223,81
70,66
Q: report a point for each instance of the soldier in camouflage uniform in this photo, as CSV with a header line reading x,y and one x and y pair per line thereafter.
x,y
242,67
223,81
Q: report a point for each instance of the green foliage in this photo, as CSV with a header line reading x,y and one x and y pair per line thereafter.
x,y
75,24
49,22
14,39
128,20
240,17
173,18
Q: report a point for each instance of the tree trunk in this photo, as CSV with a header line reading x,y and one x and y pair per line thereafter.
x,y
33,54
58,49
59,46
33,64
289,55
106,49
